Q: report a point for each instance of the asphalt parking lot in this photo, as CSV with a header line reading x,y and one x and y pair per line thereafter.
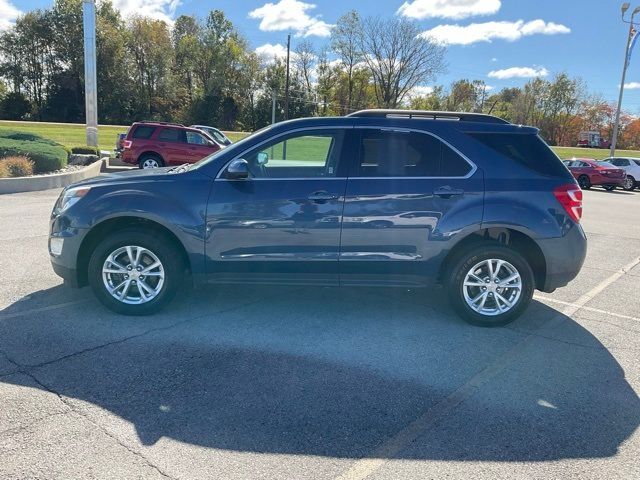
x,y
319,383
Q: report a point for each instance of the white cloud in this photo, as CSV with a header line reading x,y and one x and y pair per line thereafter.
x,y
420,91
519,72
290,15
488,31
456,9
156,9
632,85
269,52
494,59
8,14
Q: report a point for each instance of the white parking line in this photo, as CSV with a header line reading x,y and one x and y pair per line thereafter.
x,y
41,309
362,468
590,309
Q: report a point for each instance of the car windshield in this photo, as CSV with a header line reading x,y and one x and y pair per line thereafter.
x,y
235,147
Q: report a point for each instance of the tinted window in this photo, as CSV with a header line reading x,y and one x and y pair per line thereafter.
x,y
143,132
407,154
637,162
170,135
529,150
300,155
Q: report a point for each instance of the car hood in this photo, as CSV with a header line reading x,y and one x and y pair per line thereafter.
x,y
134,176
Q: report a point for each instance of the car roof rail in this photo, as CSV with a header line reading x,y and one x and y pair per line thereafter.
x,y
428,114
161,123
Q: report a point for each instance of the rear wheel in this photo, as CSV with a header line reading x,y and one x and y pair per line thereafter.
x,y
490,285
584,182
150,161
134,272
629,184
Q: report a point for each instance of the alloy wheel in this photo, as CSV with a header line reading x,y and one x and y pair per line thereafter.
x,y
133,275
150,163
492,287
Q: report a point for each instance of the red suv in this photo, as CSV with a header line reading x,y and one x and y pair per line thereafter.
x,y
590,173
158,144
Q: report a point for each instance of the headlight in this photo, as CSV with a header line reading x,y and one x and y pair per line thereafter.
x,y
70,197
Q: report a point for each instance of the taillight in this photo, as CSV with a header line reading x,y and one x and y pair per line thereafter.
x,y
570,197
127,144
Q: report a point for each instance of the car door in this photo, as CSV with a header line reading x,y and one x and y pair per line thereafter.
x,y
172,143
407,195
282,223
198,146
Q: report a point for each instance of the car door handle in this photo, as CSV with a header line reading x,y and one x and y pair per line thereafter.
x,y
448,192
321,197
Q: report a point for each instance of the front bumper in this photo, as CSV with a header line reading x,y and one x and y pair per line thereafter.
x,y
564,258
64,255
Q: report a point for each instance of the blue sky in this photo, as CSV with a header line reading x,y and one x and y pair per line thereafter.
x,y
499,41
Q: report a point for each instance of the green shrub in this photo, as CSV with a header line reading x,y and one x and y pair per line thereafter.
x,y
19,166
85,150
46,155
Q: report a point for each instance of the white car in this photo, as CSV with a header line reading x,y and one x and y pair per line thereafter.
x,y
631,166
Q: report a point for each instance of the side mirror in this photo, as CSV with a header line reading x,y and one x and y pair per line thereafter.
x,y
263,158
238,170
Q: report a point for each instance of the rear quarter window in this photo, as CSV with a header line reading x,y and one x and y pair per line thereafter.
x,y
143,132
526,149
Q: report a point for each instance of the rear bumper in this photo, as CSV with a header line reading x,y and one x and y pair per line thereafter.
x,y
602,180
564,257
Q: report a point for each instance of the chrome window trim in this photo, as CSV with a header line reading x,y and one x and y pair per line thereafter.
x,y
474,167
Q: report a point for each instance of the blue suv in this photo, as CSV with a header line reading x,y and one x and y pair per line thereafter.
x,y
378,198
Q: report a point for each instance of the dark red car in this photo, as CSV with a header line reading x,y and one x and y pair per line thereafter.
x,y
591,173
157,144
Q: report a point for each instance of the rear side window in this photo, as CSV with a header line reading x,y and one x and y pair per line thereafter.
x,y
171,135
637,162
529,150
143,132
407,154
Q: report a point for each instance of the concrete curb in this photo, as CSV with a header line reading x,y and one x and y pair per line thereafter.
x,y
46,182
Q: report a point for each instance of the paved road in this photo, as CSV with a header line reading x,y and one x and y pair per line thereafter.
x,y
319,383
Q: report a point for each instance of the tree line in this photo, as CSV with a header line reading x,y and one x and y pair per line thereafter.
x,y
202,70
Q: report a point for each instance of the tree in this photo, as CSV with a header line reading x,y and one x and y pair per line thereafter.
x,y
346,43
14,106
398,57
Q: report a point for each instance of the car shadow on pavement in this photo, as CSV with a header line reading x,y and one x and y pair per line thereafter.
x,y
328,372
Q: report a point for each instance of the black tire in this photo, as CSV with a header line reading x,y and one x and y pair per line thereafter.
x,y
147,158
454,282
162,248
584,182
630,184
609,188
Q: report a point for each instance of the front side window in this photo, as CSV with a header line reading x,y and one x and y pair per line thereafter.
x,y
299,155
394,153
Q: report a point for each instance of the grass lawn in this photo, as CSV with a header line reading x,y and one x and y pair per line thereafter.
x,y
74,134
595,153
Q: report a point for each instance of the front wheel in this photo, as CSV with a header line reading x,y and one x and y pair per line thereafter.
x,y
134,272
490,285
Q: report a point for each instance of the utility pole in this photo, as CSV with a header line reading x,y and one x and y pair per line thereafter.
x,y
273,107
286,88
90,77
616,124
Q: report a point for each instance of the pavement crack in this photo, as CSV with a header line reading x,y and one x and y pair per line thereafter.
x,y
71,408
142,334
